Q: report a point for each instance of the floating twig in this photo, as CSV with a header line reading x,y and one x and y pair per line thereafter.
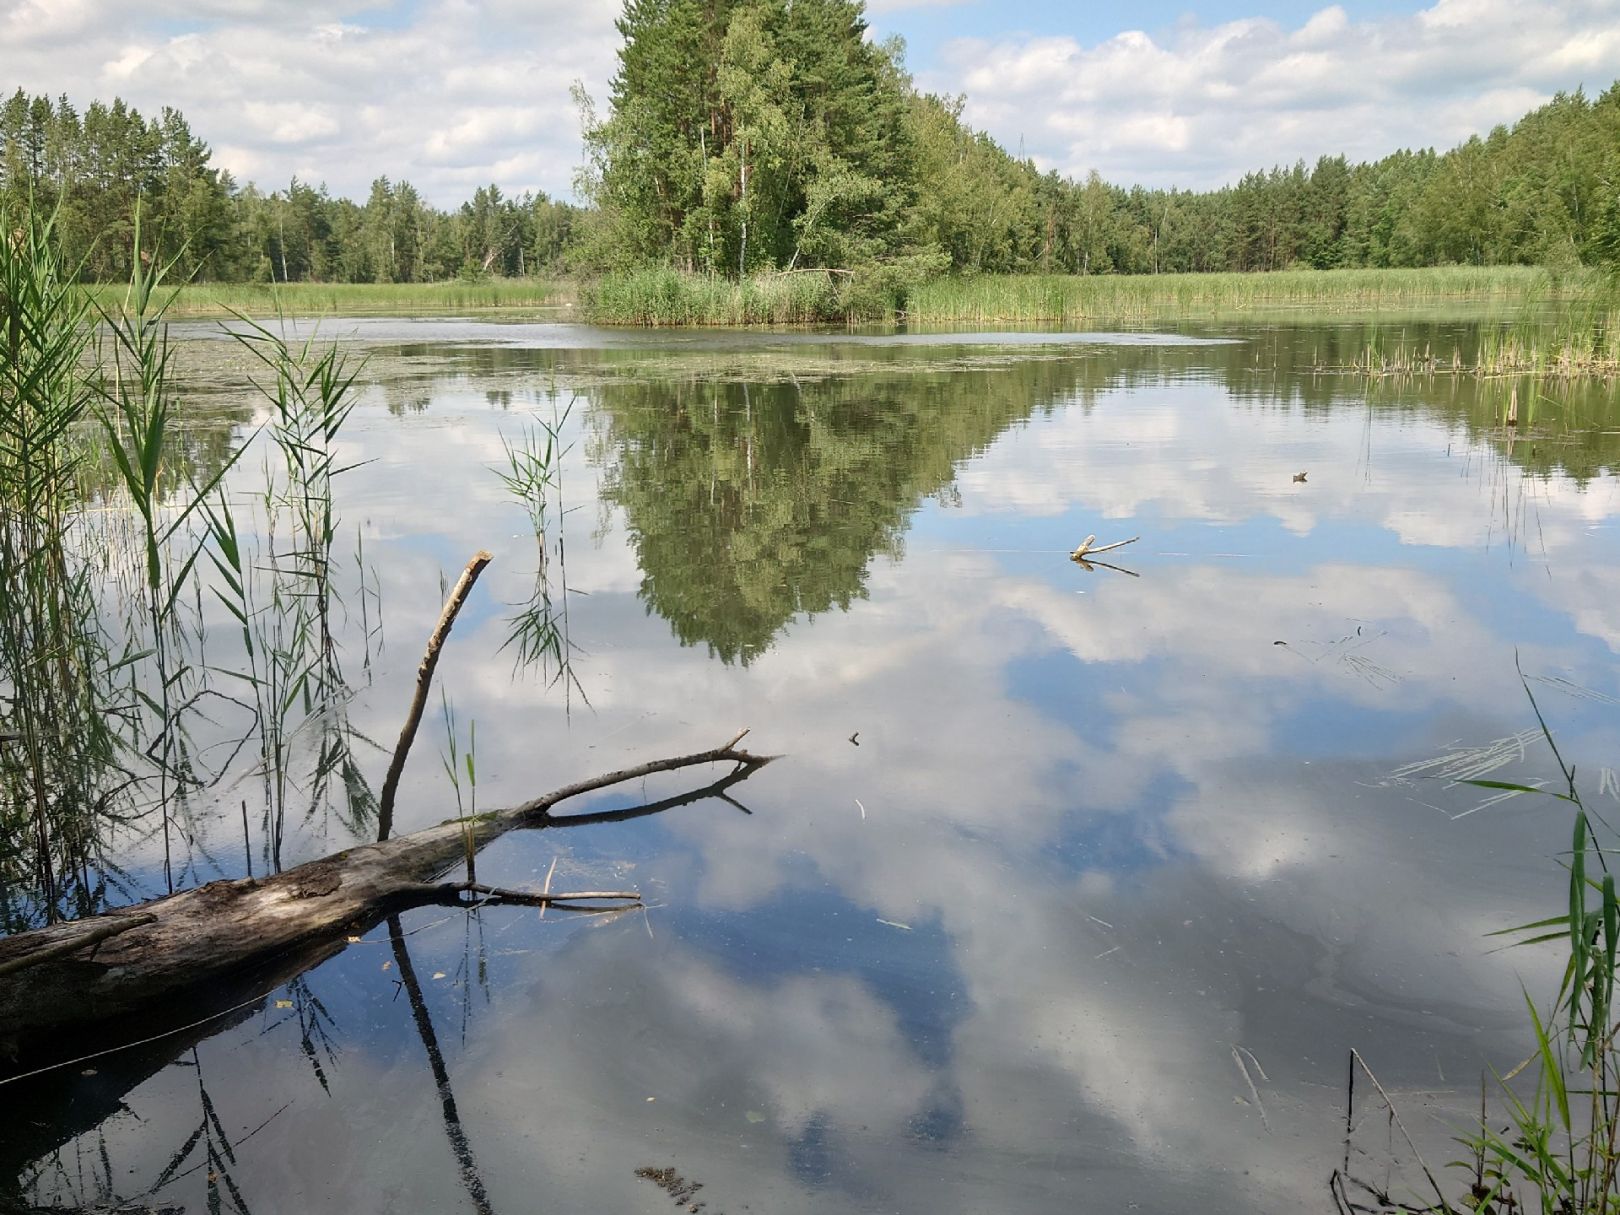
x,y
1394,1117
1090,548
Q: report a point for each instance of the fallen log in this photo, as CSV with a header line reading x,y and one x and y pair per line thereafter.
x,y
106,967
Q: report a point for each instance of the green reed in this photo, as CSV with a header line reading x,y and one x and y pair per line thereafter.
x,y
538,634
311,391
58,747
228,301
276,580
1560,1152
665,297
138,412
106,664
456,764
1094,298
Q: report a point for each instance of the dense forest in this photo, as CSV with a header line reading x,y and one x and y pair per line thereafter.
x,y
90,169
766,135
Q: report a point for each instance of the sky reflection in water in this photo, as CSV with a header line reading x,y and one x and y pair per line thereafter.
x,y
1112,877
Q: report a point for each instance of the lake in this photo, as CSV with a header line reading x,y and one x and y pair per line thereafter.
x,y
1075,885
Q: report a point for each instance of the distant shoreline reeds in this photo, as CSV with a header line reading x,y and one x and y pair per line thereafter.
x,y
263,300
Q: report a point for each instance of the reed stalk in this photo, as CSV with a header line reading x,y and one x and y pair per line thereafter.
x,y
57,745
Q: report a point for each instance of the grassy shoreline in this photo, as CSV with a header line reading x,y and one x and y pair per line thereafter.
x,y
1578,331
264,300
1066,298
668,298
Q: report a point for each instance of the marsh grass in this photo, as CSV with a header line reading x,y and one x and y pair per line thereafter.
x,y
1068,299
58,747
106,661
1581,339
671,298
665,297
1562,338
227,301
276,579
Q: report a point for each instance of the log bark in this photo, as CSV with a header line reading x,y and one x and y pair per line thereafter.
x,y
107,967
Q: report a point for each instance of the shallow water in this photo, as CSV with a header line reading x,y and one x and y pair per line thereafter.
x,y
1073,888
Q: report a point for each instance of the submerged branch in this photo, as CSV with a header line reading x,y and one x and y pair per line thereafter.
x,y
152,952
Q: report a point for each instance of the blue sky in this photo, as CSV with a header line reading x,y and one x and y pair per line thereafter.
x,y
454,94
926,28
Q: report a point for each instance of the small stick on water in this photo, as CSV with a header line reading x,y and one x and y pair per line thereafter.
x,y
546,889
1254,1091
1086,548
1395,1117
424,680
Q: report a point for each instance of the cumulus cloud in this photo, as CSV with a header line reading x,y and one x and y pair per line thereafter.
x,y
450,95
1201,105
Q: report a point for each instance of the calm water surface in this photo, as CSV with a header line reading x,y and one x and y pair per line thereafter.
x,y
1073,889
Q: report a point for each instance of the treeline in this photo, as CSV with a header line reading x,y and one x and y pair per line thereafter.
x,y
748,136
90,169
1543,192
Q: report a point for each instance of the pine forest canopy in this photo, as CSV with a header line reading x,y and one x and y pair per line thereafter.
x,y
90,170
743,136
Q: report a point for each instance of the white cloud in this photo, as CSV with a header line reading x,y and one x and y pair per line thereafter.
x,y
449,95
1201,105
289,122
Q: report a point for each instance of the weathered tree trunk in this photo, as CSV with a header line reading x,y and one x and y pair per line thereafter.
x,y
111,966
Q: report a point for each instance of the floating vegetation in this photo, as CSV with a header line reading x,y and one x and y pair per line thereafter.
x,y
680,1190
1469,763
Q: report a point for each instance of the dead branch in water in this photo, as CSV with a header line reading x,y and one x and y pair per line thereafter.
x,y
95,970
424,680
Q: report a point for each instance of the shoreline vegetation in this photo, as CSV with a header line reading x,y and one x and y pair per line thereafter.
x,y
662,297
225,301
1553,324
